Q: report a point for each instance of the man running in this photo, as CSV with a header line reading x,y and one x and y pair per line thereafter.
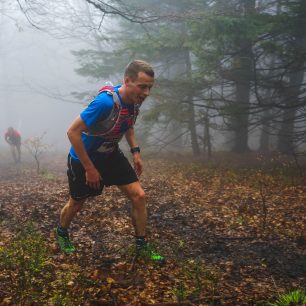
x,y
95,160
13,138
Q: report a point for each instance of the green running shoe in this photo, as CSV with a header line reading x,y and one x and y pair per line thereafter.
x,y
64,242
147,252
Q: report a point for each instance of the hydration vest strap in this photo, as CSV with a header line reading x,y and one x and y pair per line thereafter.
x,y
116,106
105,126
106,88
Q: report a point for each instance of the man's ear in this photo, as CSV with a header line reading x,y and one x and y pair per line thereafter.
x,y
127,80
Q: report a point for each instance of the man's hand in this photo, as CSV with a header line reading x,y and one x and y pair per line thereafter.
x,y
93,178
137,163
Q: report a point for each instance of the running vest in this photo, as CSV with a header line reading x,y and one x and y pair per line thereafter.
x,y
104,134
112,124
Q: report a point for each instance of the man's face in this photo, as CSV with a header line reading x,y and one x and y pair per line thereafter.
x,y
139,89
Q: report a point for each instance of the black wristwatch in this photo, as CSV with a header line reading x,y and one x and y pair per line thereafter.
x,y
135,149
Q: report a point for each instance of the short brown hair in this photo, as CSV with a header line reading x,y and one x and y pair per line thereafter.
x,y
136,66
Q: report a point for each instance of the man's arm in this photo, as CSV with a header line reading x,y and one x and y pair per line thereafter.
x,y
7,139
74,134
131,139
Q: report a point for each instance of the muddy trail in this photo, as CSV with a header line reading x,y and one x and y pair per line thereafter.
x,y
231,237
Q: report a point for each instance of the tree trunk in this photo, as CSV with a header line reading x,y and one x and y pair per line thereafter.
x,y
296,77
207,138
286,133
192,128
191,112
264,142
243,70
241,117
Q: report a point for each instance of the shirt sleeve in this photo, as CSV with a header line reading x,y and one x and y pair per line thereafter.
x,y
98,110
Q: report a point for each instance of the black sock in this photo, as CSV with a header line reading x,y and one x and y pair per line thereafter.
x,y
140,241
62,231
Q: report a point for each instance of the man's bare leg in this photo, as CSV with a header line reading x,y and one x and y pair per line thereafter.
x,y
136,195
69,211
67,214
139,218
13,153
18,153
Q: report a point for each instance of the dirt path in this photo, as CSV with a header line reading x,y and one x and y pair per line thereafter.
x,y
208,229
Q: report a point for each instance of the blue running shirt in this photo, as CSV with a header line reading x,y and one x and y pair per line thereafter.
x,y
99,109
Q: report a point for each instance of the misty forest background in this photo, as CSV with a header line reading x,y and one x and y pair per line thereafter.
x,y
230,74
222,134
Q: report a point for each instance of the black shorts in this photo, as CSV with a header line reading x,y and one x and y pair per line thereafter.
x,y
15,142
114,170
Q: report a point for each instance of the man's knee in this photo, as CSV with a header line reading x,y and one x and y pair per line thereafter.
x,y
76,205
139,196
134,192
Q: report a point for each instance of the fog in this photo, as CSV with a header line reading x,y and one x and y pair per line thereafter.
x,y
36,74
237,104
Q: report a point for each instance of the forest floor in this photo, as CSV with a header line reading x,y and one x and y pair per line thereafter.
x,y
233,234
